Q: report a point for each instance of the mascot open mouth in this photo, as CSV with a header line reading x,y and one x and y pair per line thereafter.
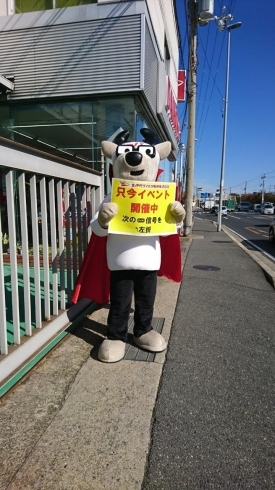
x,y
137,172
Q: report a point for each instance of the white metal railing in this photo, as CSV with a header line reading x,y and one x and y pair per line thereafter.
x,y
49,204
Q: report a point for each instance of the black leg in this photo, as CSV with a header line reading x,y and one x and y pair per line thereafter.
x,y
121,290
145,288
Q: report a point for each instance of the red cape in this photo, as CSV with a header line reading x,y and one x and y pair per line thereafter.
x,y
93,281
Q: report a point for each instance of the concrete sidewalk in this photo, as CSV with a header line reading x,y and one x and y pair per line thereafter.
x,y
74,423
77,423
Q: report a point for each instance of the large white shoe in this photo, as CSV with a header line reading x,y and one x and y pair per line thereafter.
x,y
111,350
151,341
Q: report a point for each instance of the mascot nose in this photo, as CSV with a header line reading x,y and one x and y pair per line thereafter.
x,y
133,158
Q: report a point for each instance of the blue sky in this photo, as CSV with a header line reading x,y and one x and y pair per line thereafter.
x,y
251,103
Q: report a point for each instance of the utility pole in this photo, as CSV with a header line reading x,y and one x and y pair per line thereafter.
x,y
182,169
263,179
245,187
176,172
191,101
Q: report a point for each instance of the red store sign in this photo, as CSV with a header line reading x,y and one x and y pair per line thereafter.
x,y
171,108
181,85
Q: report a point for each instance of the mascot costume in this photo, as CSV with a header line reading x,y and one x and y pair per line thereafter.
x,y
116,266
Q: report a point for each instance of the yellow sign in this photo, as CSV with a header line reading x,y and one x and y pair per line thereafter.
x,y
143,208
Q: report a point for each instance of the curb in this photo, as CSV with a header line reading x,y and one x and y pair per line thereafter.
x,y
266,265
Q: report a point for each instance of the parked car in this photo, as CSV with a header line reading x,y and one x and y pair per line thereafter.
x,y
271,232
257,208
224,210
213,209
244,206
267,208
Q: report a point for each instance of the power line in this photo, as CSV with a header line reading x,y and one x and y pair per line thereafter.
x,y
202,80
214,84
203,107
210,68
252,180
210,65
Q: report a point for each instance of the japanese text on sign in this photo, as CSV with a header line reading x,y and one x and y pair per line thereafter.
x,y
142,208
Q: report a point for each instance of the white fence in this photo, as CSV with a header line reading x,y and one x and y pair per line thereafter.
x,y
45,212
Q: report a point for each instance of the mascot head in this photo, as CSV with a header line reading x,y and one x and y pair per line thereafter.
x,y
135,160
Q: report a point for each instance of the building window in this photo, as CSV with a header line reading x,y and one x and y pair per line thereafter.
x,y
22,6
167,58
73,3
72,129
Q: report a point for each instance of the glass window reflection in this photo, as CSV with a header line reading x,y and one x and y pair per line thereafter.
x,y
72,130
23,6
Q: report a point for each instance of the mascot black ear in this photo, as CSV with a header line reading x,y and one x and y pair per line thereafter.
x,y
121,137
149,136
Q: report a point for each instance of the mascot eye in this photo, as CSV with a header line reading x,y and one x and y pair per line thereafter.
x,y
147,150
123,149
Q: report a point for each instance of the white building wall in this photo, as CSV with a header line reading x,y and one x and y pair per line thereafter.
x,y
173,41
3,7
164,23
157,18
7,7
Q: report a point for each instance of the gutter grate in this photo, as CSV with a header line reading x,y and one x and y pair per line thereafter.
x,y
133,353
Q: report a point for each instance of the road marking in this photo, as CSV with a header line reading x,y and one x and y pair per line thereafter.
x,y
262,217
251,229
263,232
253,245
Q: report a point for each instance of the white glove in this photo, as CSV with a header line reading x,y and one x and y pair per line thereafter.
x,y
177,211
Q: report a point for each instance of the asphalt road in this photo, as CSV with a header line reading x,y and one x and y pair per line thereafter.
x,y
214,425
252,226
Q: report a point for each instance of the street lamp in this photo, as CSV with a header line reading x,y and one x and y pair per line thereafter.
x,y
229,29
